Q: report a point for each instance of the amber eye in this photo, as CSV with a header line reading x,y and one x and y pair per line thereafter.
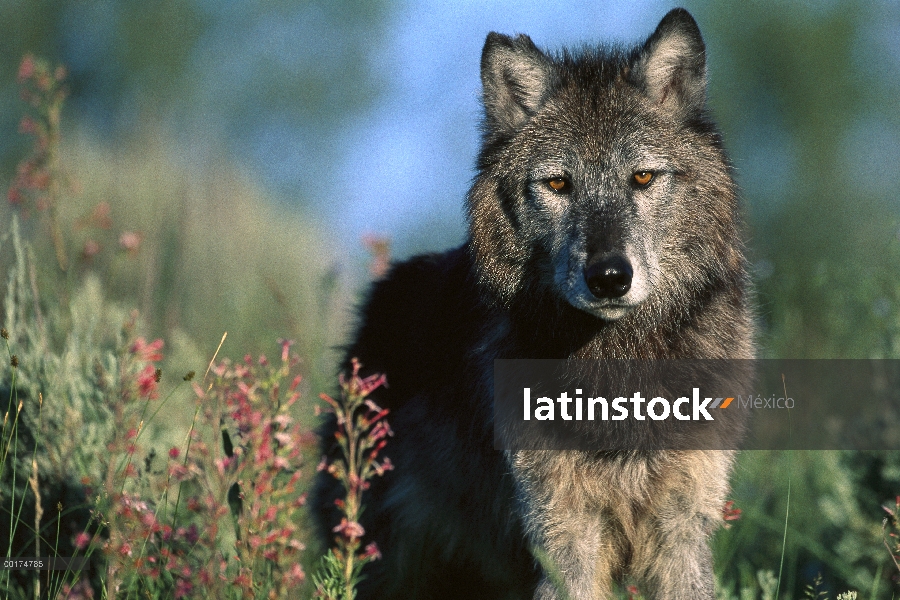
x,y
558,184
643,177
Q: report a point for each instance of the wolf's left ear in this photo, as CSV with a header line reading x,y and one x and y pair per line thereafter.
x,y
671,66
515,76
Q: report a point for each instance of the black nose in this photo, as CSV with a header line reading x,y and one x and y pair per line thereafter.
x,y
609,277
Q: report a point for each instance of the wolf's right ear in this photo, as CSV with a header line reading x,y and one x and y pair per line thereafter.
x,y
672,64
515,77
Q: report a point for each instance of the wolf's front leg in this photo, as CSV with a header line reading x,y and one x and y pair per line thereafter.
x,y
569,564
672,559
680,568
574,543
573,569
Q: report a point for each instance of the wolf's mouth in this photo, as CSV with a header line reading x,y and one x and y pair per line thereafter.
x,y
607,309
612,312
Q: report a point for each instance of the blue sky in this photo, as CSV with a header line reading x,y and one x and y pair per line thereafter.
x,y
410,159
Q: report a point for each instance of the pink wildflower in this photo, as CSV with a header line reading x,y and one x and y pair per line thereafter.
x,y
183,588
91,249
26,68
350,529
371,552
147,352
27,125
285,348
730,513
386,465
130,241
147,382
82,540
295,575
99,217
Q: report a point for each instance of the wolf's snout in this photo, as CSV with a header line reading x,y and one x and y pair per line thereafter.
x,y
609,277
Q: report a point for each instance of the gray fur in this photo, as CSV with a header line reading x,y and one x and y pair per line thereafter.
x,y
456,507
515,78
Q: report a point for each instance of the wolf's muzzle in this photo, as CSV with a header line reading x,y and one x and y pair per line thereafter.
x,y
609,277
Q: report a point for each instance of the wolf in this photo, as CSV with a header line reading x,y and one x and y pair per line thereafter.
x,y
603,223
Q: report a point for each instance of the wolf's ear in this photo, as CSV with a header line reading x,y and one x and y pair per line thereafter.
x,y
515,77
671,66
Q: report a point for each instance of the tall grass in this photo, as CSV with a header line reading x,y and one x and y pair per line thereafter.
x,y
207,500
218,514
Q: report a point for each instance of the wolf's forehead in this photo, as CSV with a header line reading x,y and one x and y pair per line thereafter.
x,y
598,120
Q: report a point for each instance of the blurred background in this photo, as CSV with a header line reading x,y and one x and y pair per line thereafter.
x,y
360,117
254,150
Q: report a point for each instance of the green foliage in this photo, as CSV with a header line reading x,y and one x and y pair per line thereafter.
x,y
223,74
834,526
67,367
331,581
811,124
67,355
361,432
792,89
84,383
159,527
198,250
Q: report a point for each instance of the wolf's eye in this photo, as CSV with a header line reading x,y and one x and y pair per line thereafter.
x,y
559,184
642,178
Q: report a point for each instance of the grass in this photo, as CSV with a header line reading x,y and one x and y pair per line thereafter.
x,y
219,514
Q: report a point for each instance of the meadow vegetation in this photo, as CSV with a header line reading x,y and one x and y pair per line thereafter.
x,y
175,458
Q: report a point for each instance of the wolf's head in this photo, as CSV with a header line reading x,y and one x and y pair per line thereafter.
x,y
601,180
